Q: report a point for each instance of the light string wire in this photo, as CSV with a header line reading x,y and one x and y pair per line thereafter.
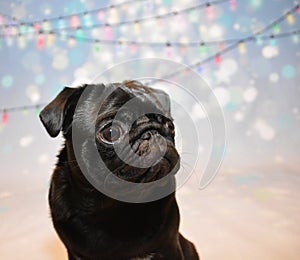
x,y
232,46
194,65
183,44
134,21
167,43
105,8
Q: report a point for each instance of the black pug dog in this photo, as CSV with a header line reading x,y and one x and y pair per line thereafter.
x,y
92,225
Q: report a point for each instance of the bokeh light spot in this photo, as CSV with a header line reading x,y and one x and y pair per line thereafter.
x,y
7,81
40,79
288,72
274,77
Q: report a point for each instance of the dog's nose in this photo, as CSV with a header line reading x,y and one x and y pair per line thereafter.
x,y
152,142
147,135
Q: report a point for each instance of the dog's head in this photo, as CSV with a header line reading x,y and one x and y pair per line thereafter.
x,y
133,130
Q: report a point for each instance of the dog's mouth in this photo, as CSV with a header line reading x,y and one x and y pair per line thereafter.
x,y
169,163
159,156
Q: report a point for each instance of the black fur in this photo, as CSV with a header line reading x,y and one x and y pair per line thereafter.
x,y
94,226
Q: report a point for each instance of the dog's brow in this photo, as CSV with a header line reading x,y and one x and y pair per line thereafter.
x,y
101,117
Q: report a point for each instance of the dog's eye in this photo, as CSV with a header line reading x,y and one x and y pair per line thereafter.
x,y
110,134
170,126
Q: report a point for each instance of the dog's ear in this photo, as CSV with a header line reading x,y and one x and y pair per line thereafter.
x,y
52,116
163,98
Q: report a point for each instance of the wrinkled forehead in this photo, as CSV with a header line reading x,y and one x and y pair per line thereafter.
x,y
131,100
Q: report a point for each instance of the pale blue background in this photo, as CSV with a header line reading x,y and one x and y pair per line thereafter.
x,y
261,164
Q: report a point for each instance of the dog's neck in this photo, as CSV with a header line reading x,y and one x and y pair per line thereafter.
x,y
82,187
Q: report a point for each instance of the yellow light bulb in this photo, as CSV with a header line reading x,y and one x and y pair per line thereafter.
x,y
290,18
136,27
242,48
50,39
21,42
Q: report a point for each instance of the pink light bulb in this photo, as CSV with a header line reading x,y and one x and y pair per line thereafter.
x,y
40,41
4,118
218,59
75,21
107,32
210,12
232,4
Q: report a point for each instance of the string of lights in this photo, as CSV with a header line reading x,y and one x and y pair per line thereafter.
x,y
183,44
216,57
108,41
84,13
4,111
75,22
37,107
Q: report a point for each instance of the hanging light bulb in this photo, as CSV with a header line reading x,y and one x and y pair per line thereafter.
x,y
100,15
166,2
40,41
159,22
30,29
232,4
14,31
276,28
50,39
259,40
136,27
97,48
74,22
38,110
107,32
168,50
7,31
46,26
273,41
203,49
61,24
290,18
21,42
221,46
71,42
87,20
1,19
25,111
133,48
242,47
63,35
7,34
218,59
4,118
23,29
295,38
209,12
199,69
113,15
36,27
182,49
79,36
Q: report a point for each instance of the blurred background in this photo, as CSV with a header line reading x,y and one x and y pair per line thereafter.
x,y
247,51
